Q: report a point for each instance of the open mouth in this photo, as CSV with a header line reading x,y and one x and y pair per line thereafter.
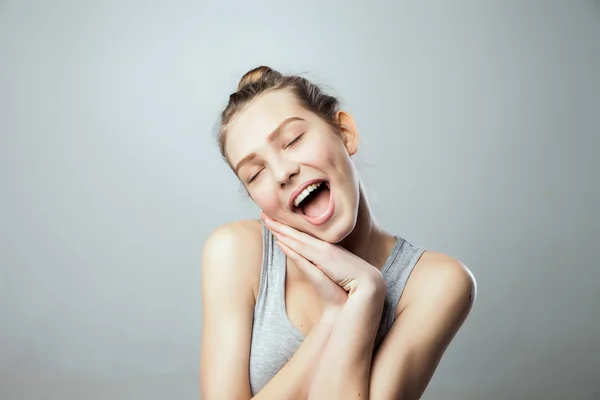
x,y
315,203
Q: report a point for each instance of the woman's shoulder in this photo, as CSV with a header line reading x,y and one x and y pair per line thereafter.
x,y
233,252
441,276
236,232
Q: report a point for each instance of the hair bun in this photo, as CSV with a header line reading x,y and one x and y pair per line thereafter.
x,y
255,75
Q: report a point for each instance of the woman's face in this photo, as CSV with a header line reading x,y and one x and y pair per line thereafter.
x,y
295,168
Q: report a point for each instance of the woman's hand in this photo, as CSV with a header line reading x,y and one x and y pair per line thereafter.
x,y
321,260
343,370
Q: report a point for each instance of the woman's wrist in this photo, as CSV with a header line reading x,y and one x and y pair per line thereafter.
x,y
370,293
372,289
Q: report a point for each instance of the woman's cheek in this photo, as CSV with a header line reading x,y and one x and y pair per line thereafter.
x,y
321,155
268,203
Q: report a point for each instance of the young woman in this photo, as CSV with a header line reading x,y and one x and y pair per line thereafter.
x,y
315,300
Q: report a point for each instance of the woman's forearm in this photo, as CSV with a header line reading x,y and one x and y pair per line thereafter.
x,y
294,380
345,367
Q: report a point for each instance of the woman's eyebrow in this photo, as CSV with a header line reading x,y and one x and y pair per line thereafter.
x,y
275,134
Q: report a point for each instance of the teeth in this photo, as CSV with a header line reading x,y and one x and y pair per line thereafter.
x,y
305,193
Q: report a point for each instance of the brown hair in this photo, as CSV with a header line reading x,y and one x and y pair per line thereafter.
x,y
261,79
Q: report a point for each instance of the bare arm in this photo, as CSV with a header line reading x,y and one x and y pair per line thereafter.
x,y
345,369
441,293
228,306
435,303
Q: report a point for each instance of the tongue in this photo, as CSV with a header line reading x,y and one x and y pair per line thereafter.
x,y
317,204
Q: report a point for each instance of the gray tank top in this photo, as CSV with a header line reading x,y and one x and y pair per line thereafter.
x,y
274,337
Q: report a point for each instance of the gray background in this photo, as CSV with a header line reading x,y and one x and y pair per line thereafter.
x,y
479,123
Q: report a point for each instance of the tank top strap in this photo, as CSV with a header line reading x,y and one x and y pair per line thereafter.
x,y
272,277
396,271
274,339
266,273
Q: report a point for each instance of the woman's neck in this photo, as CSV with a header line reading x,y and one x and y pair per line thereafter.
x,y
368,240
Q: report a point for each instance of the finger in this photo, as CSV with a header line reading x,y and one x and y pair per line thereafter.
x,y
325,260
315,254
315,274
287,230
309,246
330,270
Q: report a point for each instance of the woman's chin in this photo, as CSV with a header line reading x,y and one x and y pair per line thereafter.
x,y
336,232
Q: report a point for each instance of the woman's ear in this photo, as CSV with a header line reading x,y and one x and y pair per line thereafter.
x,y
348,131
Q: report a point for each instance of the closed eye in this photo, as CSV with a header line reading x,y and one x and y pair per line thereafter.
x,y
294,141
253,177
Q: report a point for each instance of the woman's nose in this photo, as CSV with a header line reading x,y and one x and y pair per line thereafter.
x,y
286,171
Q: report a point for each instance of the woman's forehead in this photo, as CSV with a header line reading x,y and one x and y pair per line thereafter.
x,y
267,111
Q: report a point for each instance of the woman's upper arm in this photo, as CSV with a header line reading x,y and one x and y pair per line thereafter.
x,y
442,292
229,274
